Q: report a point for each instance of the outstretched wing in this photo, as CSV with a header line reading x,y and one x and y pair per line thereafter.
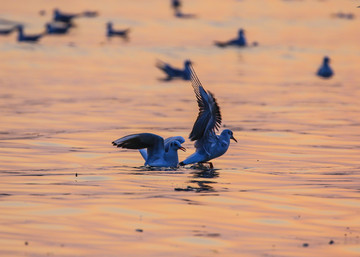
x,y
153,143
168,141
209,117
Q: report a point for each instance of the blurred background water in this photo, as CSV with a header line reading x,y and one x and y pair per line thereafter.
x,y
290,187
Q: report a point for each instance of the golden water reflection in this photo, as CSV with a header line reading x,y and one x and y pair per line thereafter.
x,y
288,188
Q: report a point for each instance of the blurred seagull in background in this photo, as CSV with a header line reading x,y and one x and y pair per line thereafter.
x,y
325,71
176,4
57,28
208,145
175,72
68,18
28,38
156,151
64,17
110,32
239,41
8,31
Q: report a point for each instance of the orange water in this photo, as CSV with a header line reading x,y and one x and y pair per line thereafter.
x,y
293,178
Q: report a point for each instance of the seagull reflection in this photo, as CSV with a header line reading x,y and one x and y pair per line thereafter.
x,y
203,186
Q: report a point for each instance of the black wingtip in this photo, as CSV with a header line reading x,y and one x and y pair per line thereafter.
x,y
182,164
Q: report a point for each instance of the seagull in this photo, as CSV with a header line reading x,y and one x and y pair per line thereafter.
x,y
53,28
8,30
111,32
208,145
63,17
175,4
240,41
158,152
325,71
28,38
175,72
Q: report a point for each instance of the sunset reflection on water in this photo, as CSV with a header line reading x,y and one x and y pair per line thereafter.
x,y
289,187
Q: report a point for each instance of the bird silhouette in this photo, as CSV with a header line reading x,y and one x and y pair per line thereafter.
x,y
110,32
172,72
240,41
325,71
28,38
8,31
57,28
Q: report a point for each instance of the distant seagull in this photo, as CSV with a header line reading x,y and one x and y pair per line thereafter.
x,y
175,72
240,41
175,4
64,17
158,153
28,38
110,32
8,30
325,71
208,145
58,29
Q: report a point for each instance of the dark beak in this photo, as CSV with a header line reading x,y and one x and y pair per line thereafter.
x,y
182,148
233,138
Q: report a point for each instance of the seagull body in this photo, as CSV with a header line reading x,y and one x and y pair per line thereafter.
x,y
240,41
111,32
175,4
51,28
175,72
63,17
325,71
8,31
208,145
28,38
158,153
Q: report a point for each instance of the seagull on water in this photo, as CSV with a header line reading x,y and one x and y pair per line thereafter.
x,y
175,72
239,41
8,31
111,32
208,145
325,71
156,151
54,28
64,17
28,38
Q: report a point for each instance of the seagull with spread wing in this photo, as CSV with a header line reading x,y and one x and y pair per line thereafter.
x,y
156,151
208,145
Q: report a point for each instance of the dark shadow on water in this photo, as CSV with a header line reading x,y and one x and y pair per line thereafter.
x,y
201,171
147,170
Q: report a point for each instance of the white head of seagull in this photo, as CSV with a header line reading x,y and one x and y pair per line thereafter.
x,y
158,153
208,145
